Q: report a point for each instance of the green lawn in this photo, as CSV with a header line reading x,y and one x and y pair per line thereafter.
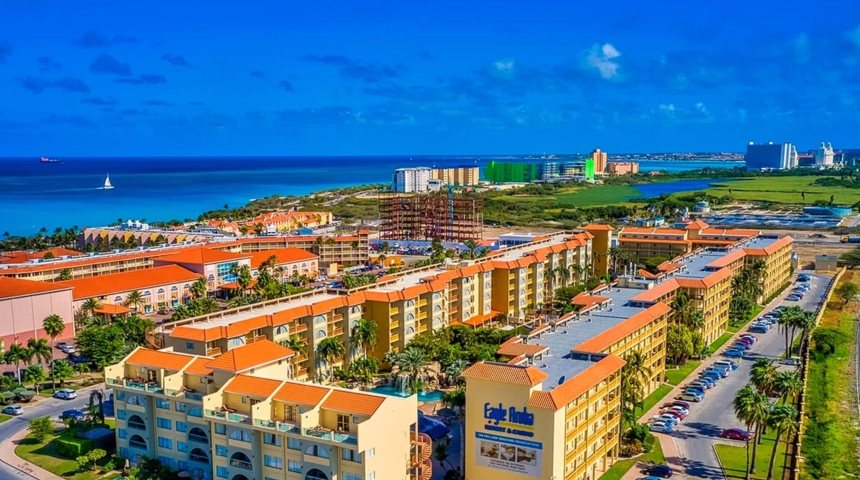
x,y
597,196
621,467
786,190
47,392
734,460
45,455
4,417
655,397
720,342
734,328
677,375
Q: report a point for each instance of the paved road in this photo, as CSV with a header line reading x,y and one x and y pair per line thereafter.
x,y
696,435
48,407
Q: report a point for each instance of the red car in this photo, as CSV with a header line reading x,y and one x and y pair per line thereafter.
x,y
676,403
751,337
746,341
736,434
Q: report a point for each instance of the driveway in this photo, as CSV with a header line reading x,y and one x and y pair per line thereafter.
x,y
697,434
49,407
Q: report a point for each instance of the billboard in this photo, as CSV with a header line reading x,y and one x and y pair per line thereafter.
x,y
508,454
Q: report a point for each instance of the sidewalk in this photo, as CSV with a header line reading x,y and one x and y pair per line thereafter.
x,y
7,455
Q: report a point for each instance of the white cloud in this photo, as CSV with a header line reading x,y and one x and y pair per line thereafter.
x,y
504,67
602,58
667,107
854,36
701,108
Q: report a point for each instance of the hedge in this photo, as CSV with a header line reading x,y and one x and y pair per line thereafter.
x,y
71,447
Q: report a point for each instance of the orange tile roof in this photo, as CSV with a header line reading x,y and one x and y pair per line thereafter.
x,y
301,393
144,279
577,385
159,359
645,273
728,259
198,334
357,403
652,240
284,256
252,386
515,349
604,340
706,282
24,257
585,299
111,309
15,287
772,248
239,359
479,320
652,231
667,266
696,225
598,227
202,256
658,291
92,260
500,372
198,367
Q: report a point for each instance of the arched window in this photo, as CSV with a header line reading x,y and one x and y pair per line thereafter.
x,y
186,287
410,303
174,288
316,474
437,308
410,330
240,477
146,293
240,460
136,441
199,456
198,435
211,277
468,303
117,299
282,330
467,291
320,319
355,309
160,290
437,296
320,334
410,317
136,423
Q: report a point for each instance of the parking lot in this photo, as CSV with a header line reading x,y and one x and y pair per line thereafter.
x,y
695,436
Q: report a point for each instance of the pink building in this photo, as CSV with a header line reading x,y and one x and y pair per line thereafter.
x,y
215,265
293,261
623,168
25,304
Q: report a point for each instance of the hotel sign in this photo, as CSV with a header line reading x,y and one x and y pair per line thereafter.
x,y
509,420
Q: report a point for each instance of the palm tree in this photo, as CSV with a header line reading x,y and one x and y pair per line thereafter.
x,y
783,418
40,350
88,308
472,246
415,363
329,350
635,375
135,300
199,288
751,408
54,326
34,374
295,344
763,375
788,384
364,334
243,277
789,320
61,370
16,354
207,305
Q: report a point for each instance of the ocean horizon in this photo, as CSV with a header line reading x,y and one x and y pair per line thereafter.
x,y
35,195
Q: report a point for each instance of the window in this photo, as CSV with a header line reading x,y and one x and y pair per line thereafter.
x,y
164,423
235,342
316,474
294,443
320,334
181,426
162,403
220,429
167,462
198,435
240,460
282,330
120,414
343,422
371,476
222,472
137,441
195,412
122,433
273,462
351,455
351,476
181,446
320,319
136,423
294,466
318,451
272,439
221,450
241,435
180,407
371,452
189,345
290,413
165,442
120,395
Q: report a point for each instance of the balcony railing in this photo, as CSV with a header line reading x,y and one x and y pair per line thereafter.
x,y
135,385
279,426
241,464
213,352
331,435
229,416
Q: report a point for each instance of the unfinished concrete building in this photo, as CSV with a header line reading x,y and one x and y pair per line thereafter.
x,y
444,215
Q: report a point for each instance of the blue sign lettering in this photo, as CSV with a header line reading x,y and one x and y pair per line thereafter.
x,y
498,414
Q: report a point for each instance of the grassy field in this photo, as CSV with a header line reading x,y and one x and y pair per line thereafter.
x,y
677,375
785,190
45,455
734,460
620,468
831,432
734,328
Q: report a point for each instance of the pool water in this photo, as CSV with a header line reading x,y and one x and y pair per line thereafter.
x,y
432,396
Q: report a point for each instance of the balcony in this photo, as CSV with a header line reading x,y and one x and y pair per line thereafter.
x,y
255,338
335,332
136,384
279,426
300,328
213,352
241,464
394,324
330,435
229,416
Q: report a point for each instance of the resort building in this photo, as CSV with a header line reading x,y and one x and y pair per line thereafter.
x,y
291,262
622,168
24,306
242,416
160,287
552,408
20,256
287,221
600,160
411,180
216,266
644,243
458,176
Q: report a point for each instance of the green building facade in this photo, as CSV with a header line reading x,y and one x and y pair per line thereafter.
x,y
511,172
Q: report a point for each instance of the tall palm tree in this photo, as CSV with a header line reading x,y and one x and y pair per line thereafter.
x,y
330,349
135,300
39,350
295,344
635,375
789,320
34,374
243,277
782,418
54,326
364,334
748,410
415,364
472,246
788,384
763,375
199,288
88,308
207,305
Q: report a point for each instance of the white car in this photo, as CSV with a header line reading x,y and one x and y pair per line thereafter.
x,y
69,349
666,418
677,408
65,394
13,410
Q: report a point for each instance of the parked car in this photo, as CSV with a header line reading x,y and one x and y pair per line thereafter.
x,y
727,363
680,404
803,278
648,477
692,396
745,341
678,409
662,471
723,372
661,427
666,418
73,414
752,338
61,345
734,353
65,394
741,345
675,413
758,329
14,410
792,298
790,361
736,434
69,349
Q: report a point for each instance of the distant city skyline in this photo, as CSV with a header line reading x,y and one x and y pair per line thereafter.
x,y
330,78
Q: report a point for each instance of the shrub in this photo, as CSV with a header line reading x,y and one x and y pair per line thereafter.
x,y
41,428
71,447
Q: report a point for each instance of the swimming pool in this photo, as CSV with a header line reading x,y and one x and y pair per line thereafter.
x,y
432,396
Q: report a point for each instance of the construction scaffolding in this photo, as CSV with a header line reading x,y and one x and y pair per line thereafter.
x,y
447,216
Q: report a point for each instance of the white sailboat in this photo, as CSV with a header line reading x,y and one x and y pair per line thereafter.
x,y
108,185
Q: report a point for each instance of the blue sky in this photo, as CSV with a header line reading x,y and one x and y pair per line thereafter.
x,y
321,77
